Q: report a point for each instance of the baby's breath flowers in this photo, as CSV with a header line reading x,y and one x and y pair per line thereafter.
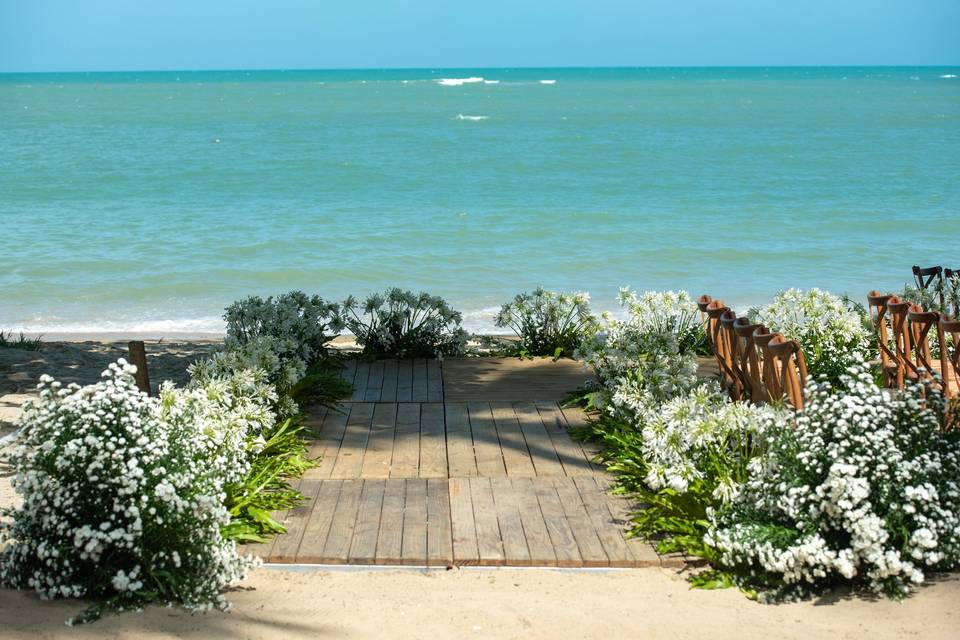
x,y
123,494
864,486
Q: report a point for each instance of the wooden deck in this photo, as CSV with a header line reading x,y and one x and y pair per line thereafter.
x,y
456,463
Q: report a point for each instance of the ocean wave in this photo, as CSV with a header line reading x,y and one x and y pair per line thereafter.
x,y
460,116
491,82
456,82
156,327
948,75
548,82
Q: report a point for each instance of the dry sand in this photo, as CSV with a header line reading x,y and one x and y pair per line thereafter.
x,y
638,603
481,603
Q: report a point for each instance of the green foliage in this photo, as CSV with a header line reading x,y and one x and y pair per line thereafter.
x,y
7,341
402,324
548,323
279,455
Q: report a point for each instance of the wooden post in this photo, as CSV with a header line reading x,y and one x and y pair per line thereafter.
x,y
138,357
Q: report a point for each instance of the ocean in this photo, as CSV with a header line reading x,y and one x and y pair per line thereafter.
x,y
149,201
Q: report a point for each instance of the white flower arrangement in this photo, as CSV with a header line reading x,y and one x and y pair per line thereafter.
x,y
548,323
403,324
833,336
123,494
865,486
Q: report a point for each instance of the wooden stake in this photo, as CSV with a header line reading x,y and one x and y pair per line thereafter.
x,y
138,357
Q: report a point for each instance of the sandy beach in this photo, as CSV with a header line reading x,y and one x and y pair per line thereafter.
x,y
485,603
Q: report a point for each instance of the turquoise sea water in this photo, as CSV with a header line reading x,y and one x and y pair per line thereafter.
x,y
148,201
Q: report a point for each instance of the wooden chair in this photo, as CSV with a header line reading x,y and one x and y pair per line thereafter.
x,y
877,308
921,324
732,347
789,370
948,331
925,277
897,370
768,383
749,365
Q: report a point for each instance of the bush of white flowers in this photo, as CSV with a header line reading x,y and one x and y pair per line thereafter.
x,y
265,354
833,336
123,496
864,486
548,323
657,342
402,324
300,325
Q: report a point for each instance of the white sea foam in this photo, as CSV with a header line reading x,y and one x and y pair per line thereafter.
x,y
548,82
948,75
491,82
456,82
157,327
460,116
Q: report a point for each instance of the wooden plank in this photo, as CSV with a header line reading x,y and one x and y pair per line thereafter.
x,y
464,530
486,442
404,380
318,526
561,535
591,549
379,450
349,371
577,417
355,437
363,547
419,392
406,443
460,457
433,445
516,456
389,391
643,552
374,382
439,533
360,381
534,527
337,548
572,456
489,545
268,551
414,550
434,381
609,532
544,456
510,379
390,536
327,446
511,528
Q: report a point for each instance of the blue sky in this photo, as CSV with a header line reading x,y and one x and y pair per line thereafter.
x,y
75,35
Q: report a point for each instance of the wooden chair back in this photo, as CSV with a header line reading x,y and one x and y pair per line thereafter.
x,y
768,382
785,357
732,347
749,365
702,303
948,331
897,309
921,323
925,277
877,307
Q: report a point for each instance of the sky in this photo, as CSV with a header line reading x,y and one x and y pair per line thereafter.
x,y
127,35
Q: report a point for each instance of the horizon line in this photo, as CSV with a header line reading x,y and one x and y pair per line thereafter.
x,y
498,68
